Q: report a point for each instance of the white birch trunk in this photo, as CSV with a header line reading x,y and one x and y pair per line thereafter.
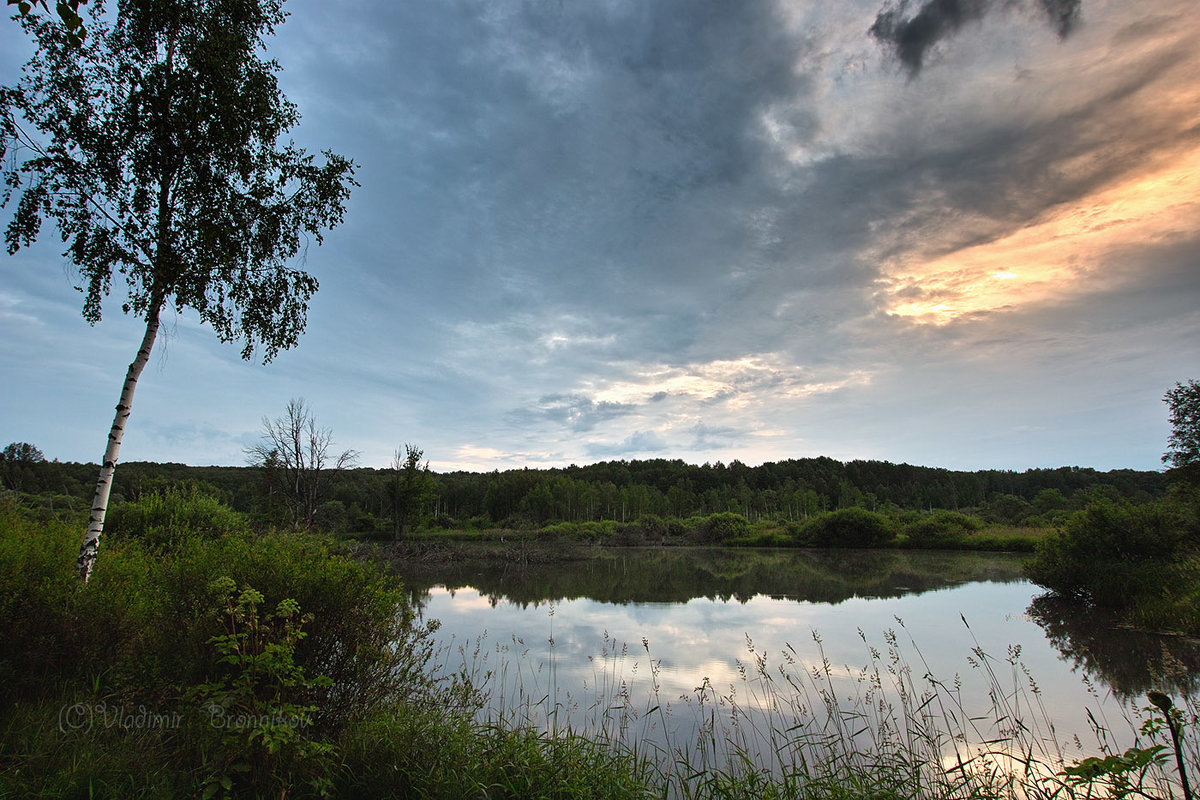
x,y
91,539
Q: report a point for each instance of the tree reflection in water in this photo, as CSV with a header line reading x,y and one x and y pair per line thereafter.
x,y
1132,662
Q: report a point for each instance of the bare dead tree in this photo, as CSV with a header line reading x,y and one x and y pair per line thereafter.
x,y
294,455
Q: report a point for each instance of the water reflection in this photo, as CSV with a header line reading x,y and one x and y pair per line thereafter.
x,y
650,629
1130,662
679,575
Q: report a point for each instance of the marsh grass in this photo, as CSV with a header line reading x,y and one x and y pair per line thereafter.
x,y
479,720
794,726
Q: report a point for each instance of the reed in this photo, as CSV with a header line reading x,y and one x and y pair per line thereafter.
x,y
790,727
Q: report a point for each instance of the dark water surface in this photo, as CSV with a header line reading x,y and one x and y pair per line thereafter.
x,y
663,639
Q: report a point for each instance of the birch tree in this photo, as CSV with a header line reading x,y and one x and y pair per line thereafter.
x,y
156,148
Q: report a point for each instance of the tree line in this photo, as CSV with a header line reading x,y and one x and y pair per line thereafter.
x,y
407,494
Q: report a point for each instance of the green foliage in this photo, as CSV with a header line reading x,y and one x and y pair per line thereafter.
x,y
439,756
847,527
581,531
21,453
789,493
158,518
18,463
154,148
145,622
722,527
181,630
938,527
653,529
1008,509
1122,775
410,488
177,630
38,587
68,14
1127,774
332,517
1114,554
1183,445
260,706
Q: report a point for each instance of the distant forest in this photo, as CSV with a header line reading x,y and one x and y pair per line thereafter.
x,y
362,499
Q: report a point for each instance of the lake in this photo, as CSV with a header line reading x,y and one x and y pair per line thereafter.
x,y
749,650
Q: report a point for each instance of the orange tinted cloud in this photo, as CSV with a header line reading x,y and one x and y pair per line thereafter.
x,y
1060,253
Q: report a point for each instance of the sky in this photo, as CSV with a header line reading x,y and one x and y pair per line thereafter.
x,y
955,233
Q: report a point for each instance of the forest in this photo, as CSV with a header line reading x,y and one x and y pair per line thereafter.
x,y
388,502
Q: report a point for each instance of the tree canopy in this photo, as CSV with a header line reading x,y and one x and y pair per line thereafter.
x,y
155,146
1183,412
67,10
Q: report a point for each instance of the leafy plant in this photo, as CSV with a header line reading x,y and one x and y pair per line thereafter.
x,y
1135,543
847,527
261,709
159,519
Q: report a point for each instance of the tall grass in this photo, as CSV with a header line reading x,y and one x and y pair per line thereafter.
x,y
788,727
389,717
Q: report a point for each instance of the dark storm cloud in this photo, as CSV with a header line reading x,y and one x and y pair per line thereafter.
x,y
540,154
912,36
1063,15
648,117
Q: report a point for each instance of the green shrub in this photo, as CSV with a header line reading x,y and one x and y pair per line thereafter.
x,y
652,527
38,586
846,527
254,717
152,629
580,531
1007,509
161,519
937,527
332,516
145,618
723,526
1112,553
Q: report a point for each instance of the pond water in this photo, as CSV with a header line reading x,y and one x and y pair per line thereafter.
x,y
747,647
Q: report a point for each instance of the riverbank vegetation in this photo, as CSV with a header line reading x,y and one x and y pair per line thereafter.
x,y
801,502
1140,561
205,658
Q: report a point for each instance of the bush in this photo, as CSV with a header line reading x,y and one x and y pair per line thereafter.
x,y
1111,553
38,586
162,519
332,517
1007,509
581,531
937,527
724,526
260,683
847,527
173,630
145,619
650,529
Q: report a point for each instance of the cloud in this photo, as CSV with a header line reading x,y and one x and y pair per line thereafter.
x,y
710,437
576,412
911,37
724,225
1062,253
636,443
